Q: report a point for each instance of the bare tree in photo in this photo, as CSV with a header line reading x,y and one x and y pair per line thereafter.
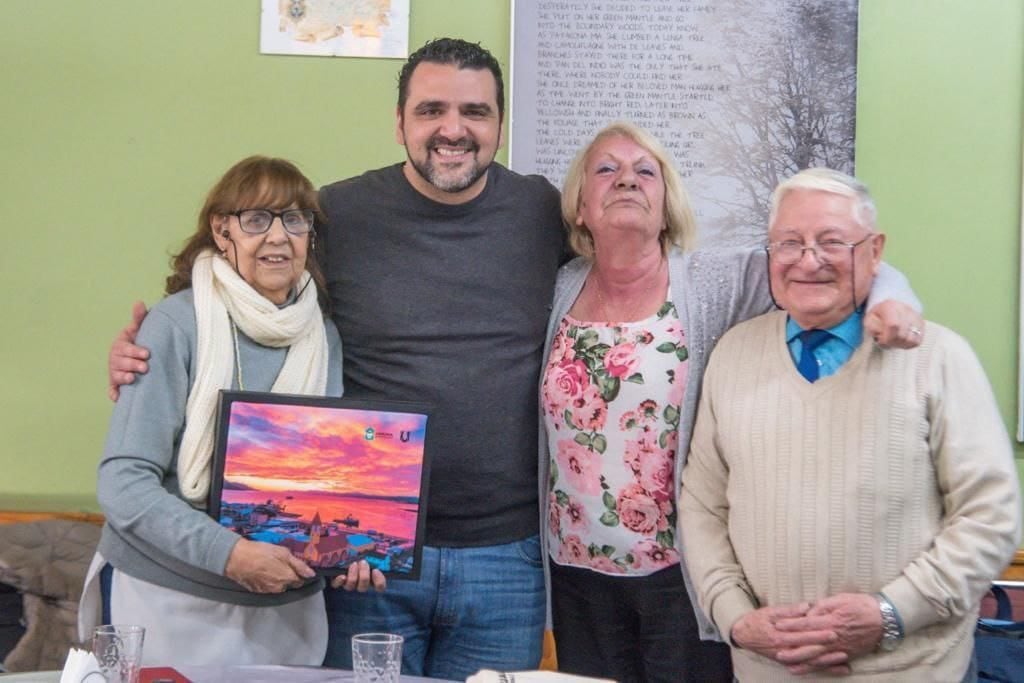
x,y
790,105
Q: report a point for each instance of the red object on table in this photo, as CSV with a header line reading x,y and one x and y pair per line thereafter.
x,y
161,674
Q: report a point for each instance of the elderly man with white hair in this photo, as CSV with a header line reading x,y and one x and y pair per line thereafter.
x,y
844,506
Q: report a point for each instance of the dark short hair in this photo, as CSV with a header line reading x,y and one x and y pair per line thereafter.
x,y
461,53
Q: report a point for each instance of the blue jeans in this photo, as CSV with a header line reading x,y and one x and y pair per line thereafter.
x,y
472,608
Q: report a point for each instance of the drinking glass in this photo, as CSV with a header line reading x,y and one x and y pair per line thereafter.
x,y
377,657
118,649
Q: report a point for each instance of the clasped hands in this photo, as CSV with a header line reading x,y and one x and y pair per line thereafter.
x,y
823,636
266,568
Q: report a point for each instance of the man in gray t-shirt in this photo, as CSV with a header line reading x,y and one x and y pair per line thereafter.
x,y
440,272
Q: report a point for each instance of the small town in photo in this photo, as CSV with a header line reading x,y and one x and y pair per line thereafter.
x,y
325,542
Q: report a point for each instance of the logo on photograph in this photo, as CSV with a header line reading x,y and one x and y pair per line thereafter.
x,y
369,433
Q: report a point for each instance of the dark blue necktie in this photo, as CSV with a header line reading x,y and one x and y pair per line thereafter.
x,y
808,364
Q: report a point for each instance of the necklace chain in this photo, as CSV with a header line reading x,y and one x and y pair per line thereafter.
x,y
637,304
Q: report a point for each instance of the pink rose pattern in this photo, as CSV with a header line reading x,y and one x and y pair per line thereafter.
x,y
611,396
580,465
621,360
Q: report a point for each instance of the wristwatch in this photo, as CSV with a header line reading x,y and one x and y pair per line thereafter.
x,y
892,625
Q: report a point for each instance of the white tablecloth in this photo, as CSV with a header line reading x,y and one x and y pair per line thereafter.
x,y
274,674
231,674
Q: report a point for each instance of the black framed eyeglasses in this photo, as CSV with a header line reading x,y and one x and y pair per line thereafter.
x,y
258,221
789,252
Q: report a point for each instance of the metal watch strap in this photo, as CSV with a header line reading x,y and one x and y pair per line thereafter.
x,y
892,630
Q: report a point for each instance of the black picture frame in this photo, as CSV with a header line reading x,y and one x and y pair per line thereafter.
x,y
338,442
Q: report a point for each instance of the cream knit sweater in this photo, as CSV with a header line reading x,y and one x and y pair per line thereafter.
x,y
895,474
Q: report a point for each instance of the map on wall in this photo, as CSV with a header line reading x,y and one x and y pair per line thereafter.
x,y
335,28
743,94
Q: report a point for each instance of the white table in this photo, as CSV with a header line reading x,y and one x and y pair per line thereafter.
x,y
275,674
232,674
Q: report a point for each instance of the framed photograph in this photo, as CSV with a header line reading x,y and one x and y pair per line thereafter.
x,y
333,480
335,28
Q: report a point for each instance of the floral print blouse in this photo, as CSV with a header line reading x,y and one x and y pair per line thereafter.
x,y
612,394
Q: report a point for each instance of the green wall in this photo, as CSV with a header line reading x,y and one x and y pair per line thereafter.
x,y
939,121
118,115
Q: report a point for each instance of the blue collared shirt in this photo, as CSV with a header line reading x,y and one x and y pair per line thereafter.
x,y
846,337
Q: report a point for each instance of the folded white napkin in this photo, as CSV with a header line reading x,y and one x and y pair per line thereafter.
x,y
489,676
81,667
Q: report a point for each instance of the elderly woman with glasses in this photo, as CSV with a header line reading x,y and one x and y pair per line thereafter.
x,y
634,320
244,311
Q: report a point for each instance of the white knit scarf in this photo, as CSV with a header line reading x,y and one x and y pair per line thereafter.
x,y
221,296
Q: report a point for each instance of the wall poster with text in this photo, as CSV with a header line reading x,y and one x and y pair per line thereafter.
x,y
743,94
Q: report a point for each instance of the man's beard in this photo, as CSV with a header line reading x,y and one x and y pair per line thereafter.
x,y
438,177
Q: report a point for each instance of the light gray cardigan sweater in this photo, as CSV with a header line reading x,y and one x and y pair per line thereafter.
x,y
712,290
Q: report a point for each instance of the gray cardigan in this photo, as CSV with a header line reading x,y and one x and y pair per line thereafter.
x,y
151,532
712,290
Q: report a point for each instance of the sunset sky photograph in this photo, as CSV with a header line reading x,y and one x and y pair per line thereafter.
x,y
273,447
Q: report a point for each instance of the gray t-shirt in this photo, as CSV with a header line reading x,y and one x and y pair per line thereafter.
x,y
447,305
